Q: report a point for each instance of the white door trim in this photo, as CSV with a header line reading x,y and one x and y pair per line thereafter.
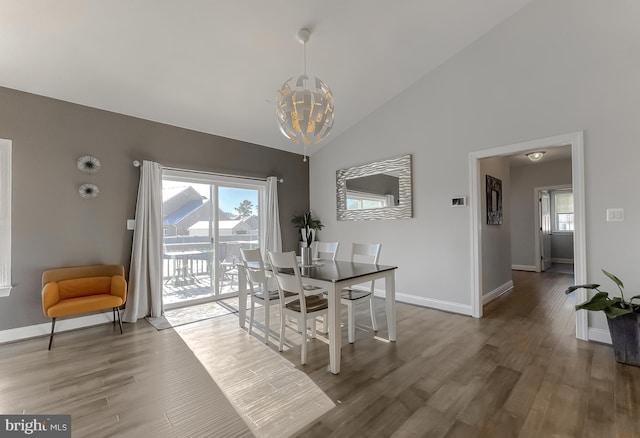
x,y
576,141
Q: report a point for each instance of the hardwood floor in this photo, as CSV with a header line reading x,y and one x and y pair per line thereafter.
x,y
519,371
145,383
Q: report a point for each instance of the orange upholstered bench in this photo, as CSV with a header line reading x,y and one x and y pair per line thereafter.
x,y
82,289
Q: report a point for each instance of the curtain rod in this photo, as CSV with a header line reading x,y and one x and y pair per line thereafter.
x,y
137,163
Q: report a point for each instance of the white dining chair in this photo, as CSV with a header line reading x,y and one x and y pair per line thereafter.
x,y
325,250
303,308
361,253
259,290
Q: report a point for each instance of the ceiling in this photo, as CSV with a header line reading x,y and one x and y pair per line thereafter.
x,y
216,66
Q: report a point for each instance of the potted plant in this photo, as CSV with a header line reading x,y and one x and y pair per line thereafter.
x,y
623,318
307,224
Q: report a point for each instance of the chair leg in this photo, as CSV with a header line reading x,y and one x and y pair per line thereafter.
x,y
267,309
351,323
303,353
313,328
283,318
374,322
53,325
114,315
117,309
251,316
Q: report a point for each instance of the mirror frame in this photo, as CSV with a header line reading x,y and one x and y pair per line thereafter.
x,y
401,166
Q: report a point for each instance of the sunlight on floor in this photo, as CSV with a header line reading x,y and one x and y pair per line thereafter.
x,y
273,397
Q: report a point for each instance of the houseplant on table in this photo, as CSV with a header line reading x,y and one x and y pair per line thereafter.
x,y
308,226
623,318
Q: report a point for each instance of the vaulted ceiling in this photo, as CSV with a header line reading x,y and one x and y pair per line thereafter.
x,y
216,66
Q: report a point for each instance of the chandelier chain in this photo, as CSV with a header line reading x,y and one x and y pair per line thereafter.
x,y
304,51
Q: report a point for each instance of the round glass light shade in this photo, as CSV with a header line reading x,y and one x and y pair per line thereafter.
x,y
535,156
305,110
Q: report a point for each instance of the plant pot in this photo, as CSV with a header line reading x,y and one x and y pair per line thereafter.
x,y
625,336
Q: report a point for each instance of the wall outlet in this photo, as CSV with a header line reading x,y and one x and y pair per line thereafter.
x,y
131,224
615,214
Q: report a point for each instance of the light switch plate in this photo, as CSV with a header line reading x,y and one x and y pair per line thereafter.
x,y
131,224
615,214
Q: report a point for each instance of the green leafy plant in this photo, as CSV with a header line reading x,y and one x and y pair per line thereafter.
x,y
307,223
612,307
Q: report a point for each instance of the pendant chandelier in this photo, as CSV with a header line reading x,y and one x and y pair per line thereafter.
x,y
305,105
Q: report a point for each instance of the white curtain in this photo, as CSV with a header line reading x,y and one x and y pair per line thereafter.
x,y
145,273
272,236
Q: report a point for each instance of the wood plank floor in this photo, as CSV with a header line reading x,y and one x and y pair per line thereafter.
x,y
519,371
145,383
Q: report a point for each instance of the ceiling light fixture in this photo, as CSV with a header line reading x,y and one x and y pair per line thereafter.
x,y
305,105
535,156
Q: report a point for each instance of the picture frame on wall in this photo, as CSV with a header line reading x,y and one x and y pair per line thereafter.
x,y
494,200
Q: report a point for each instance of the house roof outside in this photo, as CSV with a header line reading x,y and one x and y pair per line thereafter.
x,y
225,228
182,212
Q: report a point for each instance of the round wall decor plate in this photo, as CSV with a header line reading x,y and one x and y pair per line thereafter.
x,y
88,191
88,164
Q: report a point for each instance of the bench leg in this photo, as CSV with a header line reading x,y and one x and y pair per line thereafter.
x,y
53,325
117,309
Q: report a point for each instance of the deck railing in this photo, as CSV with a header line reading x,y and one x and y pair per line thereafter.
x,y
196,258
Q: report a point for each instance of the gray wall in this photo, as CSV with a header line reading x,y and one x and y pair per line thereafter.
x,y
53,226
552,68
562,247
523,181
496,239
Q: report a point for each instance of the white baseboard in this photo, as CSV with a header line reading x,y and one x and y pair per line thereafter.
x,y
599,335
62,325
488,297
523,268
568,261
433,303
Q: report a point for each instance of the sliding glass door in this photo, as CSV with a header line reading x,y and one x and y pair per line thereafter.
x,y
206,220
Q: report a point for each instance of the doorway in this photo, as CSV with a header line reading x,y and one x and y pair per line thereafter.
x,y
575,140
554,216
544,242
206,220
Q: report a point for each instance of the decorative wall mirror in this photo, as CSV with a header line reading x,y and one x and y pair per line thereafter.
x,y
378,190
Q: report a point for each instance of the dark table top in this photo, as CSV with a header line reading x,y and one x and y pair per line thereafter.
x,y
334,271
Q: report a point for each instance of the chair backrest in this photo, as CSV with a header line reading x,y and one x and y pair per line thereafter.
x,y
81,272
365,252
325,250
254,267
287,274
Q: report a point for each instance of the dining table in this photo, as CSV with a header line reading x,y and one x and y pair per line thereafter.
x,y
333,276
182,267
